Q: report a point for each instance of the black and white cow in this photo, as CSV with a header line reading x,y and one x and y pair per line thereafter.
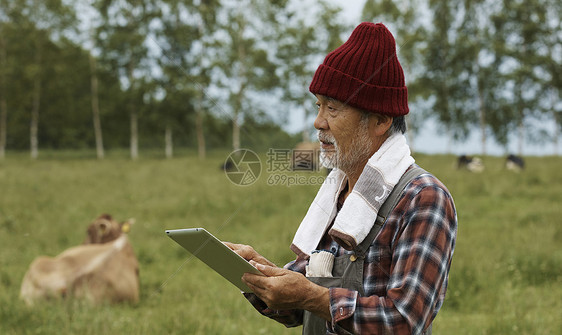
x,y
514,163
472,164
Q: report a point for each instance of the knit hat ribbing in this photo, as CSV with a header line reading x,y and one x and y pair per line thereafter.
x,y
364,72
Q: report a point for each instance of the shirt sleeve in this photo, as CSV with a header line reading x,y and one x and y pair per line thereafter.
x,y
289,318
421,257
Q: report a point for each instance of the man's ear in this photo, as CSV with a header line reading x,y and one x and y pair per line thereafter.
x,y
381,124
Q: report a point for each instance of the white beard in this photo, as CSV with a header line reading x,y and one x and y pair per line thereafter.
x,y
328,158
357,152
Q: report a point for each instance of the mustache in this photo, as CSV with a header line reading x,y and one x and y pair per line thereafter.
x,y
325,137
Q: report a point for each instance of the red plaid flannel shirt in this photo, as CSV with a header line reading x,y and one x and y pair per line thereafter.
x,y
405,271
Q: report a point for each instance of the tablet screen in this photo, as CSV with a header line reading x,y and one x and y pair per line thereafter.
x,y
215,254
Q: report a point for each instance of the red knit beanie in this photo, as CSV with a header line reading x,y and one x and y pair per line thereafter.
x,y
364,72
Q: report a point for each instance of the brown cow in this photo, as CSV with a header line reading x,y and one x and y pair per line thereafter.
x,y
103,269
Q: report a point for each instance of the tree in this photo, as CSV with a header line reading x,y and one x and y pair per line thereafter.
x,y
123,37
186,64
304,40
243,56
520,26
404,19
479,56
552,64
441,77
206,25
95,107
3,86
41,21
88,39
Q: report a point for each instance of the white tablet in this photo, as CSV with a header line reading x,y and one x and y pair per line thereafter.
x,y
215,254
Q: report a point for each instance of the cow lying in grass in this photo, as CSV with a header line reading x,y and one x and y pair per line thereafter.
x,y
514,163
472,164
103,269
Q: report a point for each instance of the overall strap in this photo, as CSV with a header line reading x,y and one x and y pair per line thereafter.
x,y
388,206
397,191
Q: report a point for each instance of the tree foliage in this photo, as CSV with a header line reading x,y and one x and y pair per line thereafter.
x,y
225,72
486,63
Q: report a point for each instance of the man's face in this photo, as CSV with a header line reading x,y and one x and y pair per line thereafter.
x,y
343,134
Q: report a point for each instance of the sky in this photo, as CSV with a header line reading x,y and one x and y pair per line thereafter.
x,y
430,138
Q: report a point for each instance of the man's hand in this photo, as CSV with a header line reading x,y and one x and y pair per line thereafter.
x,y
280,288
284,289
248,253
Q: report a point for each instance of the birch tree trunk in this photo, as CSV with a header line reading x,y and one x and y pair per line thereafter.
x,y
95,109
482,120
240,95
556,135
521,132
3,127
200,134
133,116
305,132
3,103
520,127
236,121
199,111
305,106
449,147
34,127
556,118
235,132
169,141
134,133
236,117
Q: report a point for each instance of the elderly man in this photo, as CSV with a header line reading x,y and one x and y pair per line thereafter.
x,y
375,247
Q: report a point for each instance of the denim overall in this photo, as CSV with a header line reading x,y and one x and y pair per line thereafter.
x,y
348,268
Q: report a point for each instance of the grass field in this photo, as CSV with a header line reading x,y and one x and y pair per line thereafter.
x,y
506,276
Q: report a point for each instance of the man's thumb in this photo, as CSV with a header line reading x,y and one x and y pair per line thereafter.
x,y
268,270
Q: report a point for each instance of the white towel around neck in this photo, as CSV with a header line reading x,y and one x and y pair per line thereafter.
x,y
359,211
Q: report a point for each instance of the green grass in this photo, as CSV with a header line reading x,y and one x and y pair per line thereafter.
x,y
506,276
